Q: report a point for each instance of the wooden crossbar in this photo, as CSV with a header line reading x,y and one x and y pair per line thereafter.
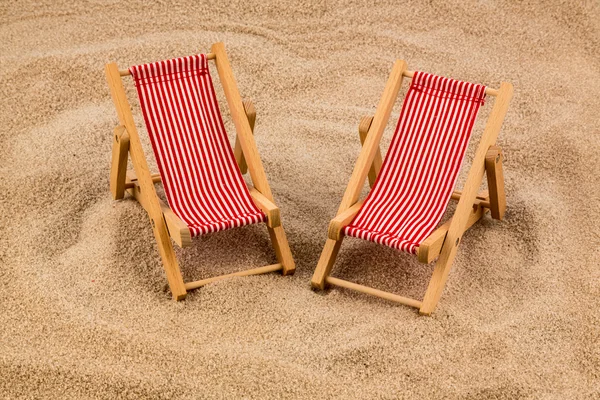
x,y
155,179
373,292
490,91
125,72
482,199
248,272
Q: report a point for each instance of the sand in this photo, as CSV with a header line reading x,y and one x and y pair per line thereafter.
x,y
84,311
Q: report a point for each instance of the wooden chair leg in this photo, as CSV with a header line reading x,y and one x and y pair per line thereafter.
x,y
118,167
437,282
282,249
495,177
326,261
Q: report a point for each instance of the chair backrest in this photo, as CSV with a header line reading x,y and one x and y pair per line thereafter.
x,y
202,181
420,169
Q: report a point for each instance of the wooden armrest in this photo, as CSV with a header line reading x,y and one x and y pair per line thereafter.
x,y
342,220
266,206
178,230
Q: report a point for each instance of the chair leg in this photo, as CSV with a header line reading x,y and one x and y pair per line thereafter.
x,y
495,177
167,255
282,249
440,275
118,167
326,261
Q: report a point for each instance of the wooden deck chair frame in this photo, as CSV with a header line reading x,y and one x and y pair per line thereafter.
x,y
166,225
444,241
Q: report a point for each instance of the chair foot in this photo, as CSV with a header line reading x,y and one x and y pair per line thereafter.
x,y
326,261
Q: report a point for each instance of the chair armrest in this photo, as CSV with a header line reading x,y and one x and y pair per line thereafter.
x,y
266,206
342,220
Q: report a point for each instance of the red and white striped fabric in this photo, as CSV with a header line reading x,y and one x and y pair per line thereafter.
x,y
420,169
202,181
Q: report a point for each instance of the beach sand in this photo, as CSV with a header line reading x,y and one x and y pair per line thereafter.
x,y
84,307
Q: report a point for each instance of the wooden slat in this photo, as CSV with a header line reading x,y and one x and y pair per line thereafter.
x,y
363,131
325,264
469,193
282,249
430,248
118,167
240,120
362,167
266,206
371,145
140,165
373,292
237,149
178,230
342,220
248,272
495,178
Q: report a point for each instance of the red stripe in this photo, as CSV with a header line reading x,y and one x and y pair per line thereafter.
x,y
202,181
420,170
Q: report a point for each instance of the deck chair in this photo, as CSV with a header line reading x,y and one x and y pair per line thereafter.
x,y
412,187
200,173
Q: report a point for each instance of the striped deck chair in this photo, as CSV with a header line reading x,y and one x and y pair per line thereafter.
x,y
200,172
412,187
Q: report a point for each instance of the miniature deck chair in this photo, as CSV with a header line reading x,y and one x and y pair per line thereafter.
x,y
201,175
411,189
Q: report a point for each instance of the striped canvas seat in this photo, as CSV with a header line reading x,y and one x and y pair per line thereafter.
x,y
202,181
420,169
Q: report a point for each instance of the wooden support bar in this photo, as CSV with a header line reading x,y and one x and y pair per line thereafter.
x,y
255,271
373,292
282,249
468,197
118,167
431,247
325,264
488,90
266,206
363,131
495,178
138,159
125,72
482,199
177,229
342,220
240,120
371,145
237,148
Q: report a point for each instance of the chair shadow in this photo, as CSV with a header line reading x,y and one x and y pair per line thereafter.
x,y
382,268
